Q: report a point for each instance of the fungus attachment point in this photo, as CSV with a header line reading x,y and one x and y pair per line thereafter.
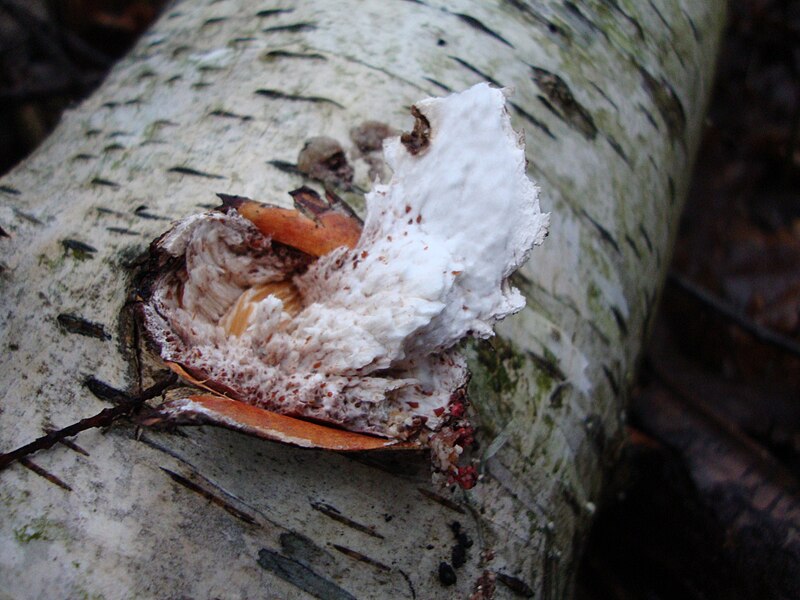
x,y
310,328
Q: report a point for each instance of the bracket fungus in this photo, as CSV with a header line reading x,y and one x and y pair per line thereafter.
x,y
308,327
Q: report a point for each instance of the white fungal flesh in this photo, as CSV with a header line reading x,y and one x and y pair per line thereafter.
x,y
372,346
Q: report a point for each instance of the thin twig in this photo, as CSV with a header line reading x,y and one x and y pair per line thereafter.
x,y
102,419
761,333
29,464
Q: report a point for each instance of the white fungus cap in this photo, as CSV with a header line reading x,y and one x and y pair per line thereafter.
x,y
372,347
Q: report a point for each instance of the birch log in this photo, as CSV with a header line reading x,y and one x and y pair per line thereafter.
x,y
219,96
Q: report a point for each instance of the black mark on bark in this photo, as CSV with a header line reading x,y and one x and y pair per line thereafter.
x,y
27,216
7,189
646,238
573,9
194,172
105,392
521,111
275,54
667,102
565,106
104,182
478,25
649,116
293,28
476,70
532,120
539,19
439,84
81,326
277,95
633,246
557,397
612,380
301,548
604,95
515,584
141,212
285,166
271,12
230,115
695,32
615,146
548,366
79,249
605,235
614,5
621,323
213,21
122,231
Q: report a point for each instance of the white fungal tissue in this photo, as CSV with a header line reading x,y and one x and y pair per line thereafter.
x,y
365,338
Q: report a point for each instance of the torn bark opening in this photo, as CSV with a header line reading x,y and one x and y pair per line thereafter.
x,y
304,313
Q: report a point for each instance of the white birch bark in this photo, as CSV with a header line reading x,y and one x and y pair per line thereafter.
x,y
611,97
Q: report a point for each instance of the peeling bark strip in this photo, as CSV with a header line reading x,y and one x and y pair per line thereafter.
x,y
301,576
566,360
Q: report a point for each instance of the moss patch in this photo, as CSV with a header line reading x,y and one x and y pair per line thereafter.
x,y
39,529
